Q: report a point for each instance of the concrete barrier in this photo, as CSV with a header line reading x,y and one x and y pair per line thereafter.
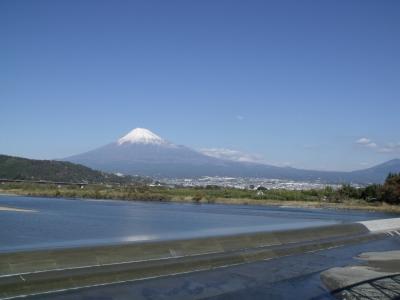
x,y
383,225
377,276
30,261
35,272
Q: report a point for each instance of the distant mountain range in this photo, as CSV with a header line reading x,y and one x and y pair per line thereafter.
x,y
18,168
141,152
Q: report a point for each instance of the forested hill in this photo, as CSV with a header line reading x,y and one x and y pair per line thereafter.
x,y
12,167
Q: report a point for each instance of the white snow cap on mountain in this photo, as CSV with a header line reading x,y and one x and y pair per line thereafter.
x,y
141,136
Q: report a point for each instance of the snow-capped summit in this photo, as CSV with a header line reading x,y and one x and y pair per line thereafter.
x,y
141,136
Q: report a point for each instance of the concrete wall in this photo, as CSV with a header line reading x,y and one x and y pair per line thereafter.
x,y
50,270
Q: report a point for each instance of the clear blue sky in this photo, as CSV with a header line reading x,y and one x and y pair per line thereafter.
x,y
296,82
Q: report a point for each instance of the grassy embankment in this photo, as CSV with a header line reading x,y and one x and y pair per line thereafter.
x,y
327,198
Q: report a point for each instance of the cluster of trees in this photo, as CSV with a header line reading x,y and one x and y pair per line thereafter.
x,y
18,168
388,192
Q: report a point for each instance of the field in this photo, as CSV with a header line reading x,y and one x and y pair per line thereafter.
x,y
325,198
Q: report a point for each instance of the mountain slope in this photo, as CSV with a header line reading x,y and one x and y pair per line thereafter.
x,y
12,167
141,152
378,173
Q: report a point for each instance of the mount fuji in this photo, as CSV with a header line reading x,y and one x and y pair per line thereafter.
x,y
142,152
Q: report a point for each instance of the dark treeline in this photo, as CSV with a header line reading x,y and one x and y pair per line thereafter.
x,y
18,168
388,192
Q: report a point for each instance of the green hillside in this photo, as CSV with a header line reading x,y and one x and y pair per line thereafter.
x,y
51,170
